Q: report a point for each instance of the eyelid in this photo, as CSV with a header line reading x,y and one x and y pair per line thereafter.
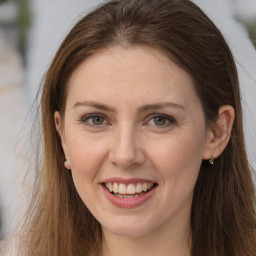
x,y
169,118
85,118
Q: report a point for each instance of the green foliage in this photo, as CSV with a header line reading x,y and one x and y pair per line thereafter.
x,y
1,1
24,13
23,23
250,26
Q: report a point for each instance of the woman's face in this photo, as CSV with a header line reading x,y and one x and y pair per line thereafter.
x,y
135,136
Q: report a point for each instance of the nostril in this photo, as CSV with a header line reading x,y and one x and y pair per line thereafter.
x,y
125,155
123,160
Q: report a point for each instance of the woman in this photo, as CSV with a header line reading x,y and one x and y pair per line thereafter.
x,y
143,141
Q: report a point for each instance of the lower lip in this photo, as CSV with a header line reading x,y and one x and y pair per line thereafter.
x,y
128,202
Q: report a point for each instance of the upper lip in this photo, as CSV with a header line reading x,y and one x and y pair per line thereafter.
x,y
128,181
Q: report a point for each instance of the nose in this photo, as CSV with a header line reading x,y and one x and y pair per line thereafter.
x,y
126,150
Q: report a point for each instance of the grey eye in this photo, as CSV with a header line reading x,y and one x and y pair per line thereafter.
x,y
97,120
159,120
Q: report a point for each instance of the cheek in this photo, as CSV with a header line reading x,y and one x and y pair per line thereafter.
x,y
86,154
178,159
178,163
86,158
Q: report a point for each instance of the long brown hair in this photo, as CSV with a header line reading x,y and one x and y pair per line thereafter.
x,y
223,219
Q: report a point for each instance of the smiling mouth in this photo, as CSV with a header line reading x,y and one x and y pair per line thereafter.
x,y
129,190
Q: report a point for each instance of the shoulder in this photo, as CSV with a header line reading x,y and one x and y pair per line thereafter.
x,y
9,247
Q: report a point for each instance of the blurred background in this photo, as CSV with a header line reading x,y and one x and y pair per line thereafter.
x,y
30,33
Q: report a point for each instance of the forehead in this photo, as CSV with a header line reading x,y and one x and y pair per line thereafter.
x,y
133,72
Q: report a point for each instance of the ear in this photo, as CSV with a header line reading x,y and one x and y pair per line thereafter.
x,y
60,130
219,135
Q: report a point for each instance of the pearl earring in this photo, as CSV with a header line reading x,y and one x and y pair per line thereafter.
x,y
67,164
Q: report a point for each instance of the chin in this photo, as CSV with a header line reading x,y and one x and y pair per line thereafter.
x,y
127,229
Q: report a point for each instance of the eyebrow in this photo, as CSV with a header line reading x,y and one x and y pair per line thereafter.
x,y
141,109
93,104
160,105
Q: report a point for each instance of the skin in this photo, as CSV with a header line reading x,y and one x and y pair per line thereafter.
x,y
129,142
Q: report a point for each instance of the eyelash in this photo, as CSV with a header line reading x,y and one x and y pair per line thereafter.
x,y
169,119
85,119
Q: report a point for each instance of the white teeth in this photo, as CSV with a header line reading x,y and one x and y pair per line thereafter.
x,y
145,187
125,196
110,187
139,188
122,189
130,189
115,188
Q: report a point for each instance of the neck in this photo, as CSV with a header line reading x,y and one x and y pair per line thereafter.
x,y
164,241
